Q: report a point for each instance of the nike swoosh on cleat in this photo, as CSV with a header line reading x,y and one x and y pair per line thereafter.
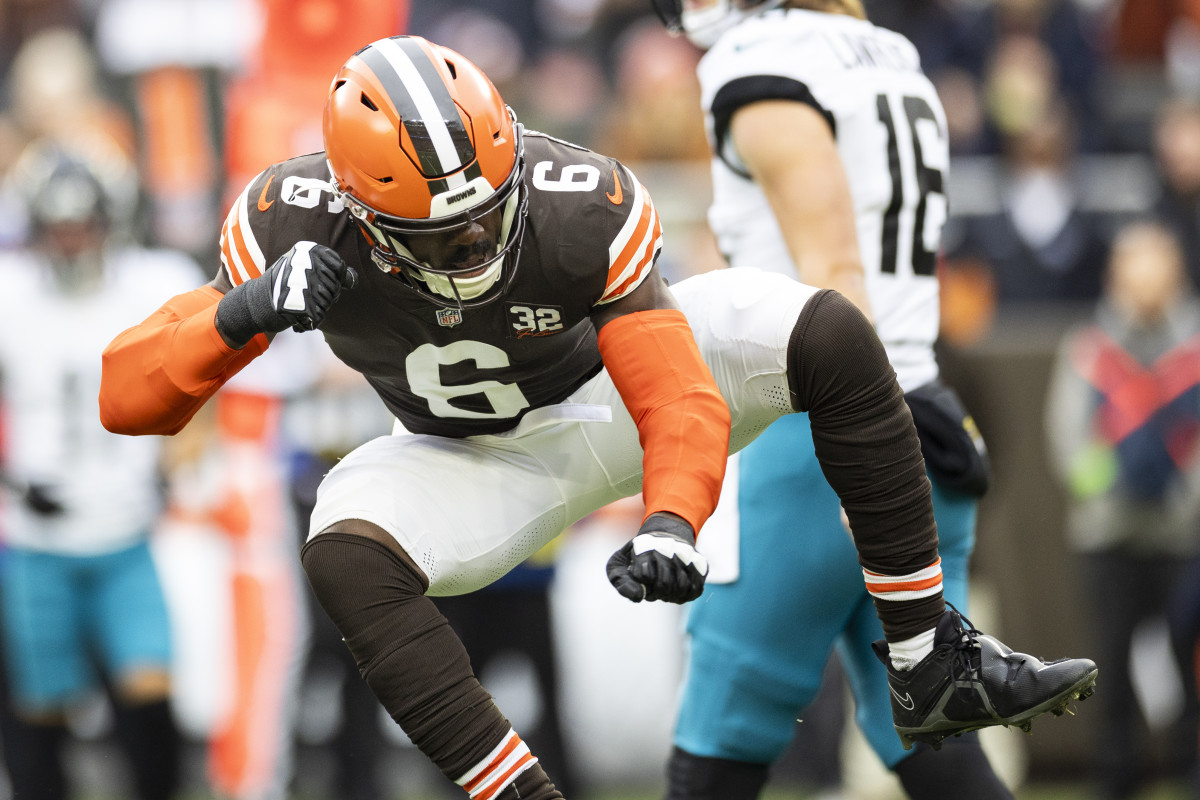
x,y
616,198
263,203
905,701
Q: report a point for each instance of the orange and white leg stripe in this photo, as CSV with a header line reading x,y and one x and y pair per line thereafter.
x,y
917,585
498,769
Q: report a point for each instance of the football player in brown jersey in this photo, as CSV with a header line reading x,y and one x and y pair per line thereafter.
x,y
498,288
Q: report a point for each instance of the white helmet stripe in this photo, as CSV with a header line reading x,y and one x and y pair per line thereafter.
x,y
426,105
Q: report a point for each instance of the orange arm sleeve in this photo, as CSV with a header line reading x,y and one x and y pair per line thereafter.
x,y
682,419
158,374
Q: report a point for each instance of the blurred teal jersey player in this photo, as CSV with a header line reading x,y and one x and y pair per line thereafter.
x,y
830,160
81,599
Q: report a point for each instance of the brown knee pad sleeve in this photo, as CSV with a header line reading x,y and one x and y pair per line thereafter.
x,y
405,649
867,445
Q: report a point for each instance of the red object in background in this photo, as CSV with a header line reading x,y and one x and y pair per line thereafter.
x,y
177,152
274,111
1140,27
307,40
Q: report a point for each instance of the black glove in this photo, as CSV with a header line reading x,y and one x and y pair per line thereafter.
x,y
42,499
295,292
660,563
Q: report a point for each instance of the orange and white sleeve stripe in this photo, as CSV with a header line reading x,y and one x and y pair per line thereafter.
x,y
499,768
241,256
632,252
917,585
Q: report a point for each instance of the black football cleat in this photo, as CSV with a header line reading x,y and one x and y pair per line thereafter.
x,y
972,681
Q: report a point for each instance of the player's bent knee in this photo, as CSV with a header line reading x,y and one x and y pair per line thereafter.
x,y
352,559
403,646
834,353
864,437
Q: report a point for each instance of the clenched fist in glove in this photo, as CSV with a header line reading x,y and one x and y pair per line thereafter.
x,y
660,563
295,292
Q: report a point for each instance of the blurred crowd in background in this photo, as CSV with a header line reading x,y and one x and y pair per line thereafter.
x,y
1069,120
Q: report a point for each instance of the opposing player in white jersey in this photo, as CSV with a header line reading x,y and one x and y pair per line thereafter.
x,y
830,160
80,502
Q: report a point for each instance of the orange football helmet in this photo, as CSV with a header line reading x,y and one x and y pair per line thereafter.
x,y
420,143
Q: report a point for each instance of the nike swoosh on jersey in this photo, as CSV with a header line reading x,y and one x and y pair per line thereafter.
x,y
616,198
241,255
632,253
263,203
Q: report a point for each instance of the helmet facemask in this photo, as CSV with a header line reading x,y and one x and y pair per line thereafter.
x,y
69,215
394,239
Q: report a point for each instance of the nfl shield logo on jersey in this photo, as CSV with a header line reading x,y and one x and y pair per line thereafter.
x,y
449,317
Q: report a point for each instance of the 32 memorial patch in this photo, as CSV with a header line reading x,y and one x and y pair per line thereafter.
x,y
525,320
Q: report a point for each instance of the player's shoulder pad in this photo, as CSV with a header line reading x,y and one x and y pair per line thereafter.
x,y
637,242
595,204
288,201
578,177
789,43
536,135
808,46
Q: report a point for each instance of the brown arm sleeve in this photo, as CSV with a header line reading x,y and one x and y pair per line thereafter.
x,y
157,374
868,448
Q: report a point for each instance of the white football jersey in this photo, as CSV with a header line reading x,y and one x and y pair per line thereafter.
x,y
50,352
890,130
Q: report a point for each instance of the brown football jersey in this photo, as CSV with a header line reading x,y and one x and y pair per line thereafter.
x,y
591,236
